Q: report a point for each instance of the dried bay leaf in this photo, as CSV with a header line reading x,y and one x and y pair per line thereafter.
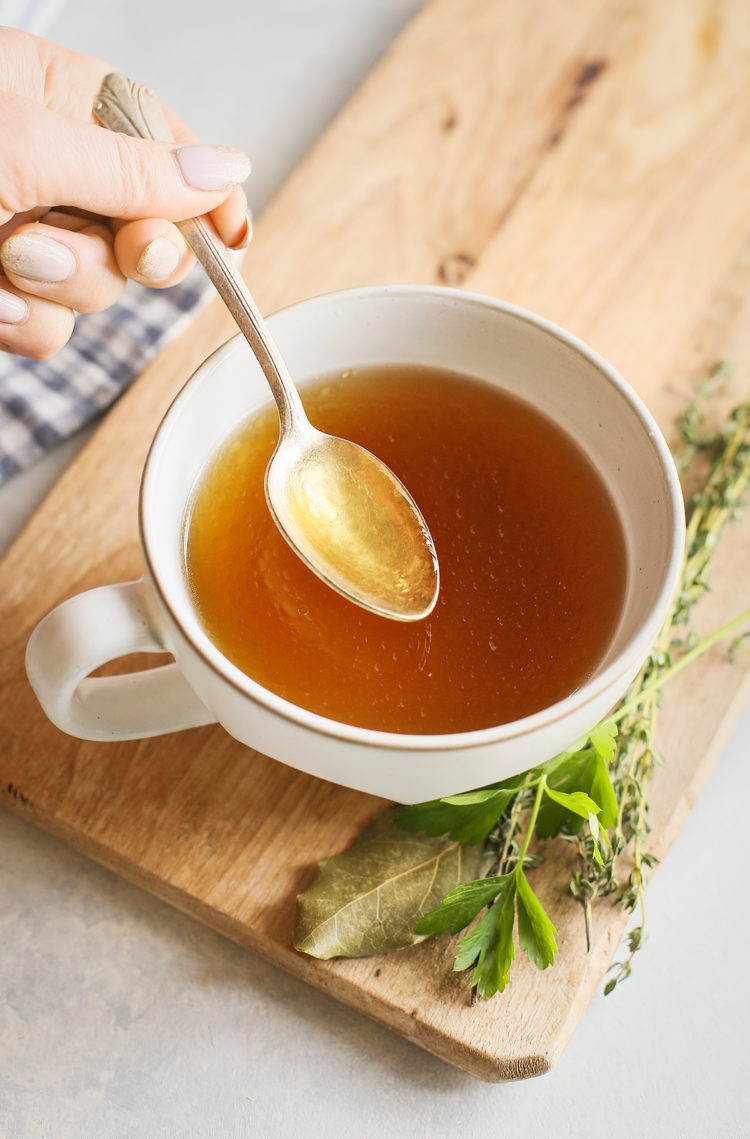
x,y
368,899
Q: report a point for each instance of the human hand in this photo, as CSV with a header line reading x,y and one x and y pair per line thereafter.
x,y
82,208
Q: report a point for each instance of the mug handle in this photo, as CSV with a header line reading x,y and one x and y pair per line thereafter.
x,y
87,631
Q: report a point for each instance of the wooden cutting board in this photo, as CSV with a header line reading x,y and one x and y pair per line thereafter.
x,y
591,166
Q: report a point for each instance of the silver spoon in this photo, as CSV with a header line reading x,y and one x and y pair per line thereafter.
x,y
342,510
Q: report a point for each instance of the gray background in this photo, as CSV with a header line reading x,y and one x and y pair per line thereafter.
x,y
121,1017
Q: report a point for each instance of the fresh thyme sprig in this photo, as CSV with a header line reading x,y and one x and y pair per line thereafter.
x,y
595,796
709,509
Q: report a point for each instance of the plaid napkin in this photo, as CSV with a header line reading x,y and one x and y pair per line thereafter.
x,y
42,403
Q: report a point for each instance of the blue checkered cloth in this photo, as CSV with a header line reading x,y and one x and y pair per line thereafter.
x,y
42,403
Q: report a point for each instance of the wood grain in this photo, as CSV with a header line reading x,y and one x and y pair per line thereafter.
x,y
593,166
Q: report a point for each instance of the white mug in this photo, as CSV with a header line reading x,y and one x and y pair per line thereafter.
x,y
465,333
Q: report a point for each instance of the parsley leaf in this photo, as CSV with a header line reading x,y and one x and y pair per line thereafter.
x,y
459,908
467,818
602,792
470,823
473,798
604,739
580,773
576,801
536,933
490,944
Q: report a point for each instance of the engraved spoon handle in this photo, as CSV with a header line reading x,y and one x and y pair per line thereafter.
x,y
133,109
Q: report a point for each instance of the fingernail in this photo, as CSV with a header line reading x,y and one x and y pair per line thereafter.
x,y
246,236
38,258
212,167
159,260
13,309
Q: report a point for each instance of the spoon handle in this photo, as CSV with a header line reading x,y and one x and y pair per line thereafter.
x,y
133,109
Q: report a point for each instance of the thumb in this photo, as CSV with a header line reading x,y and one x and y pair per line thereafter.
x,y
51,160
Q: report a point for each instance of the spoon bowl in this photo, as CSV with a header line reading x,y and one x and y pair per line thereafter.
x,y
353,522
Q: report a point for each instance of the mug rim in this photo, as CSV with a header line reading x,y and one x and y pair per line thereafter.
x,y
628,659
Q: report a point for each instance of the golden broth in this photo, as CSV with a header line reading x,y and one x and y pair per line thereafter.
x,y
531,552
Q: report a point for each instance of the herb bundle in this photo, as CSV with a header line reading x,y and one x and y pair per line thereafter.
x,y
371,898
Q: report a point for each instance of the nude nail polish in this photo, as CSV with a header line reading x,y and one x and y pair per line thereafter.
x,y
37,258
13,309
246,235
211,167
159,260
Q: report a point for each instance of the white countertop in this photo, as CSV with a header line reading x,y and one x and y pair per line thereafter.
x,y
121,1017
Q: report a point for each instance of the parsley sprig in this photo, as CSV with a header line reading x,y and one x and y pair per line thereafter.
x,y
556,795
